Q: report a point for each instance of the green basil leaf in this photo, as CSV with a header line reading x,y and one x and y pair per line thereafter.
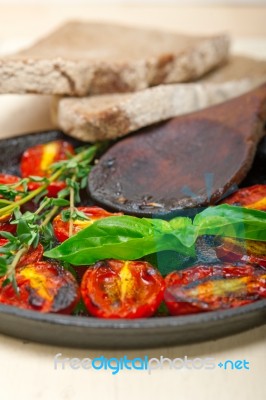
x,y
86,252
131,238
232,221
124,237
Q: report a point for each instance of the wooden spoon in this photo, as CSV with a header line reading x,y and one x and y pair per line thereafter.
x,y
185,162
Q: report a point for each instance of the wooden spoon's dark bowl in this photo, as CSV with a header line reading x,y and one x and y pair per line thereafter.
x,y
186,162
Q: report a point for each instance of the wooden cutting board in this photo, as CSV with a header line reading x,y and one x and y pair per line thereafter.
x,y
185,162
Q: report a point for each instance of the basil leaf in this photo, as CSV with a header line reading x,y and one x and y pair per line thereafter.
x,y
124,238
131,238
232,221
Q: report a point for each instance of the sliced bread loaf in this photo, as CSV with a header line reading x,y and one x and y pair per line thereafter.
x,y
82,58
110,116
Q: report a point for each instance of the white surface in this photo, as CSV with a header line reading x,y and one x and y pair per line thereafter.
x,y
27,373
140,2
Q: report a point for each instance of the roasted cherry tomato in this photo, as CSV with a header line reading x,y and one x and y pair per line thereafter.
x,y
213,287
250,197
61,228
43,287
6,179
32,256
3,242
5,224
249,251
36,161
122,289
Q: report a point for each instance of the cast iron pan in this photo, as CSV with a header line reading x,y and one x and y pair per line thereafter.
x,y
88,332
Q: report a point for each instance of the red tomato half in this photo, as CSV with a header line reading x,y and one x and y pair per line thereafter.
x,y
251,197
213,287
5,224
36,161
3,241
249,251
32,256
122,289
6,179
61,228
43,287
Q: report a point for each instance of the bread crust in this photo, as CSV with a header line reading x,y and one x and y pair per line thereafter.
x,y
111,116
82,58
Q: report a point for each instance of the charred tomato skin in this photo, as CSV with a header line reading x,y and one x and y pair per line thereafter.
x,y
251,197
249,251
36,161
43,287
61,228
122,289
194,289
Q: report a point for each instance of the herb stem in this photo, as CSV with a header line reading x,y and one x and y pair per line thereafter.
x,y
10,208
31,195
72,205
49,216
6,202
42,206
16,260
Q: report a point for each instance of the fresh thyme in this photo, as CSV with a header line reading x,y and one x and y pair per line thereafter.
x,y
35,227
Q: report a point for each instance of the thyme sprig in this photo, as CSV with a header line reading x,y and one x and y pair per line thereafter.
x,y
62,170
35,227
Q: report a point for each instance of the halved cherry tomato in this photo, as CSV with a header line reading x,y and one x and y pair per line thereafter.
x,y
6,179
43,287
213,287
61,228
3,241
32,256
122,289
36,161
251,197
5,224
53,189
249,251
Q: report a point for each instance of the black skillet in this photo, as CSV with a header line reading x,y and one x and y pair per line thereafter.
x,y
88,332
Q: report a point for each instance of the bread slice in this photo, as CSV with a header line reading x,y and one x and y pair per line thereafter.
x,y
82,58
111,116
237,68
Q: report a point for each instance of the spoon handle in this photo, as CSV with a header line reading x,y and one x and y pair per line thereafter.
x,y
246,114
